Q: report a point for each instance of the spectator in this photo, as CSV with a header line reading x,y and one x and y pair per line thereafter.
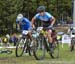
x,y
69,20
5,41
14,38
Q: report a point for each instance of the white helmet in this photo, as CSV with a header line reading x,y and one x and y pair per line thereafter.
x,y
19,17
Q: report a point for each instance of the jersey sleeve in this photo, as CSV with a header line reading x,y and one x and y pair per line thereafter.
x,y
49,15
36,16
27,21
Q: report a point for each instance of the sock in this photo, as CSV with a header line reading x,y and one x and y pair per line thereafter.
x,y
50,45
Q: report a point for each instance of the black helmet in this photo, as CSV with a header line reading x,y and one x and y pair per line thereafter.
x,y
41,9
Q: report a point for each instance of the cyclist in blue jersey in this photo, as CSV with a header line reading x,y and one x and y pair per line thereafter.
x,y
47,20
24,24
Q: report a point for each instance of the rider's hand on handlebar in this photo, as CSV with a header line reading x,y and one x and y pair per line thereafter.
x,y
33,26
50,26
18,29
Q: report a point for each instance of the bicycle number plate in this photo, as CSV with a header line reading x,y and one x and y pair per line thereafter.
x,y
25,32
39,29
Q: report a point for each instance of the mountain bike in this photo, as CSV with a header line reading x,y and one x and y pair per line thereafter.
x,y
23,44
42,45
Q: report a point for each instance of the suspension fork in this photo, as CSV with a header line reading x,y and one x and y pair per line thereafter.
x,y
45,44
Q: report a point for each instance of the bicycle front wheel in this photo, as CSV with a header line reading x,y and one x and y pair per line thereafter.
x,y
39,49
20,46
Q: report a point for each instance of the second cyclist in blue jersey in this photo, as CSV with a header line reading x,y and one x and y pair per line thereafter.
x,y
24,24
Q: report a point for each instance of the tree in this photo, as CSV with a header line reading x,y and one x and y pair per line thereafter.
x,y
8,12
10,8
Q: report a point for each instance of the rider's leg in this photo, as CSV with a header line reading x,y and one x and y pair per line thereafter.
x,y
49,32
30,36
31,39
50,40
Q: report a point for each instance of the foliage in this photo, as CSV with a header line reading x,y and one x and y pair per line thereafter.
x,y
10,8
66,57
8,12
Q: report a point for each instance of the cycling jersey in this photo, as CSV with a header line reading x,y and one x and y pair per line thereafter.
x,y
25,24
45,18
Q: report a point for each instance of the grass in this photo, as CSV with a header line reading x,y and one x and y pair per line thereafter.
x,y
66,57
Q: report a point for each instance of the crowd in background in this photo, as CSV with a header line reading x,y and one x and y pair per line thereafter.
x,y
9,39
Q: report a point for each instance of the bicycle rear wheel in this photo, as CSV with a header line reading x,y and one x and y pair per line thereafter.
x,y
39,49
20,46
54,52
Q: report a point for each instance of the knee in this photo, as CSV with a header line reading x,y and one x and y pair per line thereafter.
x,y
49,34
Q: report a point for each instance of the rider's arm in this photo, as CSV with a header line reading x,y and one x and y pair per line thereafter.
x,y
52,21
32,21
18,25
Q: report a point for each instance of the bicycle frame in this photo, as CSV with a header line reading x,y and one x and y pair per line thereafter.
x,y
46,43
